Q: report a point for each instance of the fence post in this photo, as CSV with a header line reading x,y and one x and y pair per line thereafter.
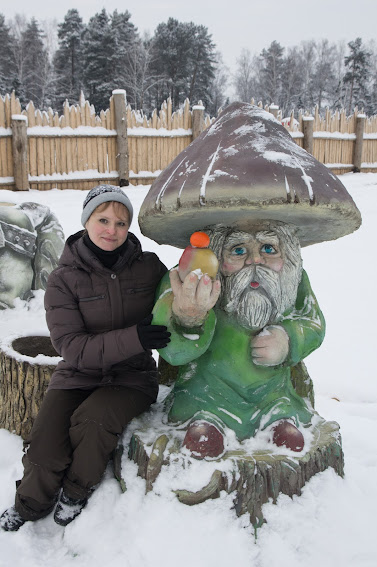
x,y
197,120
358,148
308,127
274,109
20,152
120,106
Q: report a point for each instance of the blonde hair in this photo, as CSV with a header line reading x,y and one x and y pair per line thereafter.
x,y
120,210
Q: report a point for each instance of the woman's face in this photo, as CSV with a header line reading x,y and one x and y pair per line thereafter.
x,y
108,226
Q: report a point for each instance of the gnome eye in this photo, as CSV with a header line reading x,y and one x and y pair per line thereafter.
x,y
268,249
239,251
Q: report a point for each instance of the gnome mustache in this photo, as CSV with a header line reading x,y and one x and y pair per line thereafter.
x,y
253,295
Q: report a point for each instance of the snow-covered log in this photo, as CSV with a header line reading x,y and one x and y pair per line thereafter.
x,y
254,479
23,382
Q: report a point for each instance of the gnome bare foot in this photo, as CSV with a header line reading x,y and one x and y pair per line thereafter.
x,y
286,434
204,440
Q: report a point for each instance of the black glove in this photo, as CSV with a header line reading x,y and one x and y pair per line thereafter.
x,y
152,336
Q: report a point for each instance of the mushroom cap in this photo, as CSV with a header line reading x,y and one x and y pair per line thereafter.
x,y
243,169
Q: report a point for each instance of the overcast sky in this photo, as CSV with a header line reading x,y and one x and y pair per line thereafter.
x,y
234,24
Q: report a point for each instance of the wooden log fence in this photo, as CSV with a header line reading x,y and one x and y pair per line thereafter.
x,y
79,148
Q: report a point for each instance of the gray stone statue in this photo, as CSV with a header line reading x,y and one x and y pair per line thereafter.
x,y
31,242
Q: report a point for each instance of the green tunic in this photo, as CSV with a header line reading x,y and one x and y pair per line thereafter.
x,y
218,380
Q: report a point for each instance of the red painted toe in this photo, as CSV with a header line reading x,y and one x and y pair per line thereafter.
x,y
287,434
204,440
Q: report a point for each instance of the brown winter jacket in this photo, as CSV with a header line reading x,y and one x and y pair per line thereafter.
x,y
92,312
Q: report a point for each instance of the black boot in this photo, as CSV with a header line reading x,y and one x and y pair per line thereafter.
x,y
10,520
67,509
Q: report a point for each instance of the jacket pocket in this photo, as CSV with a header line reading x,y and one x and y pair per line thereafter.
x,y
138,290
94,298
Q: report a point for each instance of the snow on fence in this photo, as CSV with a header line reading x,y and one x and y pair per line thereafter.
x,y
343,143
79,148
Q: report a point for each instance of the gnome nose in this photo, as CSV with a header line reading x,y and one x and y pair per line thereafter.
x,y
253,258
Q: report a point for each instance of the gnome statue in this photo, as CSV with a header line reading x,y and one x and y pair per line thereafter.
x,y
236,337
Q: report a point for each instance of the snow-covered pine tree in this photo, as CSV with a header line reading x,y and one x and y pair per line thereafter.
x,y
373,90
126,39
34,67
99,52
272,72
184,54
171,47
107,41
7,62
203,64
68,59
355,80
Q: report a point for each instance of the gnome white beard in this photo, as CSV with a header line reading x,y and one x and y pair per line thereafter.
x,y
256,308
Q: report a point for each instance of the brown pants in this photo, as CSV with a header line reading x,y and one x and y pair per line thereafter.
x,y
71,443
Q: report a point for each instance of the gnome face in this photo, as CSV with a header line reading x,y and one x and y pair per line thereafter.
x,y
260,273
243,249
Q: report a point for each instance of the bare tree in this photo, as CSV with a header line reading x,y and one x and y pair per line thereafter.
x,y
218,96
140,78
244,77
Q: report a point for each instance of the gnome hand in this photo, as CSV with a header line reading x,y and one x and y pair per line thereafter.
x,y
193,298
270,347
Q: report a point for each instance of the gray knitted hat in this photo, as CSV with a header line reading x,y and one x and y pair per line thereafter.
x,y
102,194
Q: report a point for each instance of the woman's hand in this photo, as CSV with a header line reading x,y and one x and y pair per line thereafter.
x,y
152,336
193,298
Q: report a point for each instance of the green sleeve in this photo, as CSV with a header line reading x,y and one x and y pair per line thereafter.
x,y
186,344
305,325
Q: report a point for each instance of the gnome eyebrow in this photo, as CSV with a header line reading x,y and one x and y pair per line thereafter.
x,y
236,238
267,236
262,236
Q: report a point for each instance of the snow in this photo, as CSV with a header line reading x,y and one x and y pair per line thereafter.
x,y
74,175
144,173
55,131
334,135
339,165
159,132
20,117
332,523
99,131
206,176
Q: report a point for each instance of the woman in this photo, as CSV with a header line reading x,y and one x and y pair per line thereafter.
x,y
98,307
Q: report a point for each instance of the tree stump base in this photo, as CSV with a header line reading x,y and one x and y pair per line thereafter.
x,y
253,479
24,381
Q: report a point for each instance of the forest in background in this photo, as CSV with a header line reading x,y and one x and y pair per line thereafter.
x,y
48,62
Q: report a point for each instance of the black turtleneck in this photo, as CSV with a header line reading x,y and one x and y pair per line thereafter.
x,y
107,257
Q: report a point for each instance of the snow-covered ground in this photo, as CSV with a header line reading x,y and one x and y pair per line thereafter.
x,y
332,524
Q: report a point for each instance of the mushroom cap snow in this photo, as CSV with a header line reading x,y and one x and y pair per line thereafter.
x,y
243,169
